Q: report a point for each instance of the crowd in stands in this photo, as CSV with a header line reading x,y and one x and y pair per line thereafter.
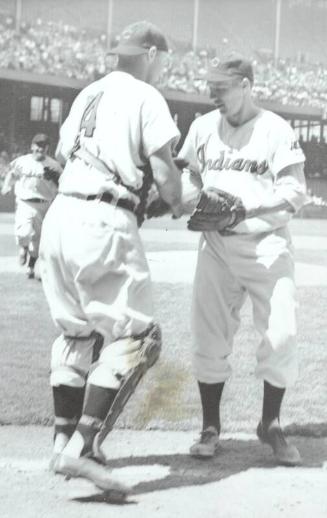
x,y
63,50
52,48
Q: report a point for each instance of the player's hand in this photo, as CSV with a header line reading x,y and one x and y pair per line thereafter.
x,y
177,211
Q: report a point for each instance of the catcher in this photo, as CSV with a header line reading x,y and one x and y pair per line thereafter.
x,y
93,266
251,169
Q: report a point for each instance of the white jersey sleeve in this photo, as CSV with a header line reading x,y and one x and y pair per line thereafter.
x,y
284,149
286,161
158,127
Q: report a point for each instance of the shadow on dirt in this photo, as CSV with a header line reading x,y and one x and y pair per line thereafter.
x,y
234,457
103,498
307,429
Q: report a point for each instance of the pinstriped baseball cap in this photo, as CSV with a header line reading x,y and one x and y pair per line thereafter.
x,y
138,38
230,68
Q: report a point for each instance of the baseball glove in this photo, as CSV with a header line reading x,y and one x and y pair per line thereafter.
x,y
51,175
216,210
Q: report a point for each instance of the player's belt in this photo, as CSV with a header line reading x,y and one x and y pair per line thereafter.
x,y
107,197
36,200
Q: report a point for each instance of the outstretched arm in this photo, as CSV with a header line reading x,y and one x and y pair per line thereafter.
x,y
167,178
9,181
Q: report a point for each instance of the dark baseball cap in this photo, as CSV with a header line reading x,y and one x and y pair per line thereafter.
x,y
41,139
138,38
228,69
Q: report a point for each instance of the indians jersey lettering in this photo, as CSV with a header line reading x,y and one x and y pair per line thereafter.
x,y
247,161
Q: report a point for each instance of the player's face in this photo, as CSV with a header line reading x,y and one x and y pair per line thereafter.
x,y
39,152
228,97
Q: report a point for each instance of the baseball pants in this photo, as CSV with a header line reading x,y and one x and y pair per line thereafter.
x,y
29,217
229,268
96,278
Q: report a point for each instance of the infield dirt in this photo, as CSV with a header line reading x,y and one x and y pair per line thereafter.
x,y
241,482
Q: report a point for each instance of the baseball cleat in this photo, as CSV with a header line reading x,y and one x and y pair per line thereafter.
x,y
208,444
60,442
285,454
89,469
30,273
97,453
53,461
22,256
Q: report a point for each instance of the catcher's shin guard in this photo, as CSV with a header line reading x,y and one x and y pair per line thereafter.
x,y
149,353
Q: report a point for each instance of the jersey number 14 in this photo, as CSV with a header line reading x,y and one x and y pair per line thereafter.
x,y
88,121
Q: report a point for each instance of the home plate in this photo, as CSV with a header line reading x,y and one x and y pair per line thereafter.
x,y
130,476
133,475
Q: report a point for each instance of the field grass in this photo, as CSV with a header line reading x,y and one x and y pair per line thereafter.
x,y
167,398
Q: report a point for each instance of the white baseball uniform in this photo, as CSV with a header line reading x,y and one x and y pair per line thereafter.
x,y
34,193
94,271
251,161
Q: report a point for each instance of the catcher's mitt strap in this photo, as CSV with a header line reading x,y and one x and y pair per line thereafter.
x,y
84,154
90,159
149,353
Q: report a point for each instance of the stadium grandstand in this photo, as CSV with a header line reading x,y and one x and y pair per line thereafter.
x,y
50,49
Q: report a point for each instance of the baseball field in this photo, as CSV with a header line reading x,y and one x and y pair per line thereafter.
x,y
149,447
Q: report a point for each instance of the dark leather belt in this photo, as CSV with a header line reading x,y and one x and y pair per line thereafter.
x,y
107,197
36,200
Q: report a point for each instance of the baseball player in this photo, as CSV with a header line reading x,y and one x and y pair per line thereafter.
x,y
249,155
94,271
35,177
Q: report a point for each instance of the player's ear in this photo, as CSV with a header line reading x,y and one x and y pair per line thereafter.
x,y
152,52
246,83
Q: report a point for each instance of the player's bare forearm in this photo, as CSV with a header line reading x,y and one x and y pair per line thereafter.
x,y
167,178
170,191
7,184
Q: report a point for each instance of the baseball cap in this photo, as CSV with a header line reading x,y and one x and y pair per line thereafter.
x,y
138,38
229,68
41,139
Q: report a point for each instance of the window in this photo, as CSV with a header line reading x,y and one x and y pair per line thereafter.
x,y
46,109
56,110
36,108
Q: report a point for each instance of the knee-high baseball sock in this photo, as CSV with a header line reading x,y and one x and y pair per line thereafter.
x,y
272,400
97,403
68,404
31,261
210,399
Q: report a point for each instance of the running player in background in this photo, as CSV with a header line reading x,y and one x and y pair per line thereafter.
x,y
35,177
